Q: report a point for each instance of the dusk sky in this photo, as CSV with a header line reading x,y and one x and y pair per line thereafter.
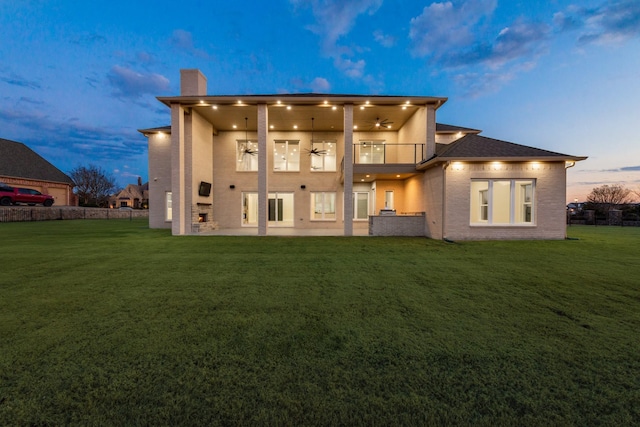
x,y
78,78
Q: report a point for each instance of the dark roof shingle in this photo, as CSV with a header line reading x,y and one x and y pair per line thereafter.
x,y
19,161
476,146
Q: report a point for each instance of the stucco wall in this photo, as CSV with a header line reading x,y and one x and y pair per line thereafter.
x,y
227,202
432,182
159,178
549,200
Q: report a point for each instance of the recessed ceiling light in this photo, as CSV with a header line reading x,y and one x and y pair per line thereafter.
x,y
295,126
215,107
288,107
271,127
201,101
355,126
397,176
367,102
362,107
326,102
235,127
334,108
279,102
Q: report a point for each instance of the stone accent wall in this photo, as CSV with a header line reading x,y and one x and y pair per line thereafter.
x,y
202,209
397,225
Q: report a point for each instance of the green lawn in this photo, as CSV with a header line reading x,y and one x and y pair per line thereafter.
x,y
110,323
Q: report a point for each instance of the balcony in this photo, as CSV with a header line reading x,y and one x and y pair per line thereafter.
x,y
381,153
380,160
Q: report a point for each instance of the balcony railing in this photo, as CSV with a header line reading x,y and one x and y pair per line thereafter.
x,y
380,153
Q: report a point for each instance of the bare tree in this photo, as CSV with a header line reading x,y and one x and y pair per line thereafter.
x,y
93,184
607,197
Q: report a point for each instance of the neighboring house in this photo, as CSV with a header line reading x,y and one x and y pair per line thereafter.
x,y
20,166
132,196
347,163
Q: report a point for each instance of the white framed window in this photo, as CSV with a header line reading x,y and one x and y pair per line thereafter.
x,y
371,152
502,202
168,206
280,209
389,199
323,206
286,156
323,156
360,205
247,155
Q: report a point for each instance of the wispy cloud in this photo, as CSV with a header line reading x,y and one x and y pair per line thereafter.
x,y
317,85
520,40
334,19
129,84
624,169
320,85
183,41
18,80
385,40
75,138
88,39
447,26
611,22
450,34
456,37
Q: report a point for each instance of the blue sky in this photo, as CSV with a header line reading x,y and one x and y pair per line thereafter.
x,y
78,78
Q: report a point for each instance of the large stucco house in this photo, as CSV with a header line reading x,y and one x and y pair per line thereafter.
x,y
348,164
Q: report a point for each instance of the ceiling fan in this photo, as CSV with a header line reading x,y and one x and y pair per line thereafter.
x,y
247,144
314,151
381,124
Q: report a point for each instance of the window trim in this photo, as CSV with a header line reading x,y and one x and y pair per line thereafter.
x,y
355,205
237,150
514,201
286,160
168,206
324,156
313,205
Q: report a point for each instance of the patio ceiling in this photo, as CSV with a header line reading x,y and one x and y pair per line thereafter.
x,y
226,112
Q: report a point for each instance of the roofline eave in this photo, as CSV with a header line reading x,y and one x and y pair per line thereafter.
x,y
436,160
294,99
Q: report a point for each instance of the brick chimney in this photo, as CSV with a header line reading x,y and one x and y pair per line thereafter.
x,y
192,83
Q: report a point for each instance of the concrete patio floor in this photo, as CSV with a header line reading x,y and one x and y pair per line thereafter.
x,y
282,231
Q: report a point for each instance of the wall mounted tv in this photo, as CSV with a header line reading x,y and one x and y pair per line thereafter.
x,y
205,189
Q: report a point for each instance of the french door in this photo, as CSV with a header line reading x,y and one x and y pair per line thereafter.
x,y
279,213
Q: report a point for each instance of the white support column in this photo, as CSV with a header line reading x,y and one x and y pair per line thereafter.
x,y
431,131
348,170
263,184
178,222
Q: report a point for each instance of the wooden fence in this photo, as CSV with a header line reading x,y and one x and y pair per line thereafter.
x,y
41,213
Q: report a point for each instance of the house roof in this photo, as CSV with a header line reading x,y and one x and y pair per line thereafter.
x,y
444,128
473,147
231,112
134,191
19,161
165,129
440,128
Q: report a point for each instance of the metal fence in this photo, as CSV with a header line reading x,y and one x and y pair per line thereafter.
x,y
36,213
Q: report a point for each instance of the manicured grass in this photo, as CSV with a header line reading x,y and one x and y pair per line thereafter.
x,y
110,323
